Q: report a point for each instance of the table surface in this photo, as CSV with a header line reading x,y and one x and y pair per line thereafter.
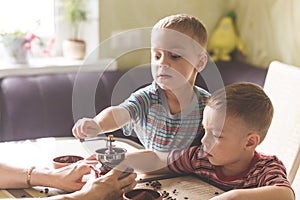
x,y
40,153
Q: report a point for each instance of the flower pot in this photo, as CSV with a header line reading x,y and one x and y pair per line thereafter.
x,y
74,49
14,51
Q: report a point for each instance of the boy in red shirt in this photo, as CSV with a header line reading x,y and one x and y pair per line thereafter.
x,y
236,120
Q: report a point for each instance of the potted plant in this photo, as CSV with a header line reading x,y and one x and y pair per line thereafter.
x,y
17,44
13,43
75,14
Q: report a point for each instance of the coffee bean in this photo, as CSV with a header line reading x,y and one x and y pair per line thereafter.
x,y
155,184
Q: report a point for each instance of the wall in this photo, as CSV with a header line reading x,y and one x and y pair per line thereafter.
x,y
269,29
121,15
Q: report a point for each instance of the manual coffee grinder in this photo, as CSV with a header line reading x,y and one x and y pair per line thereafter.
x,y
110,156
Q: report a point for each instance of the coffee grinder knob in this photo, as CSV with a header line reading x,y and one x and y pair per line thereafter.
x,y
109,145
110,156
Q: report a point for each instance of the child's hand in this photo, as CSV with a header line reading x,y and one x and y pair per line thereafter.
x,y
266,192
86,127
232,194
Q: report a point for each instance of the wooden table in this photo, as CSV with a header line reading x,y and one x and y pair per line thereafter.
x,y
40,153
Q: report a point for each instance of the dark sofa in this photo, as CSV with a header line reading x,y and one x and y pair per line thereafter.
x,y
47,105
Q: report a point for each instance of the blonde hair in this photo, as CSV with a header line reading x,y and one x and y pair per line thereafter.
x,y
246,101
187,24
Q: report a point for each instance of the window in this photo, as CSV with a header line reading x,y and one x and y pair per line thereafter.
x,y
44,19
31,15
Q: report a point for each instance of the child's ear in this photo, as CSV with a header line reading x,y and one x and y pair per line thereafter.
x,y
253,139
202,62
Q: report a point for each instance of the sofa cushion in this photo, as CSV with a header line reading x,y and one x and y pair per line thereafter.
x,y
36,106
41,106
216,75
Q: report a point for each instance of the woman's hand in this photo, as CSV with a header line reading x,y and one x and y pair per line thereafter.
x,y
69,178
108,187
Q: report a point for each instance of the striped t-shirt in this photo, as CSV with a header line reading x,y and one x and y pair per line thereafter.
x,y
263,170
156,127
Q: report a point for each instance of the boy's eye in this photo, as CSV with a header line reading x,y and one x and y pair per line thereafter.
x,y
174,56
213,134
216,136
157,56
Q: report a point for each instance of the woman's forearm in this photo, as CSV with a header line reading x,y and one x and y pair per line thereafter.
x,y
17,177
12,177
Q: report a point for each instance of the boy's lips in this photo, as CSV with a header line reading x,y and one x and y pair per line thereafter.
x,y
164,76
207,154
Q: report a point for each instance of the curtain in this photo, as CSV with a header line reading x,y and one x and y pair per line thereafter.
x,y
270,30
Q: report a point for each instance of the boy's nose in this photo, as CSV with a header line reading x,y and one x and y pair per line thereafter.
x,y
164,62
206,142
204,139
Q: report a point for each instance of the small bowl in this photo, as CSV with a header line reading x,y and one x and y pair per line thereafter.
x,y
66,160
143,194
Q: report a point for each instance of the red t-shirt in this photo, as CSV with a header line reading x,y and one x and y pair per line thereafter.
x,y
263,170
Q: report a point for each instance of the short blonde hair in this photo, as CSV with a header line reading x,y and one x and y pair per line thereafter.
x,y
248,102
187,24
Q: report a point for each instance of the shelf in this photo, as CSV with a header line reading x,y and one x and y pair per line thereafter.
x,y
55,65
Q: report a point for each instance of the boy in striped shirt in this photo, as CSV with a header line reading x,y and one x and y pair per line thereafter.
x,y
236,120
166,114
